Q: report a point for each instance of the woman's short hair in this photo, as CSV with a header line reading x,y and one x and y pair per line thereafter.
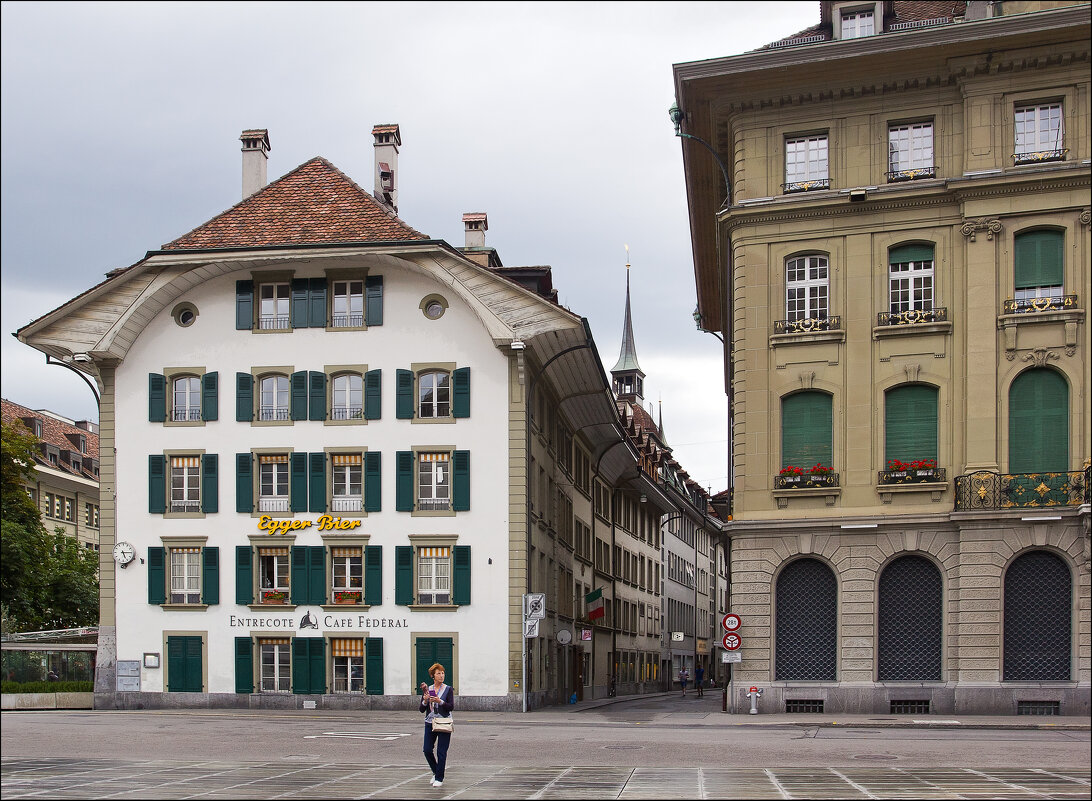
x,y
432,670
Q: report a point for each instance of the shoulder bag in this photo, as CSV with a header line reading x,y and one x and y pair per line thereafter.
x,y
443,724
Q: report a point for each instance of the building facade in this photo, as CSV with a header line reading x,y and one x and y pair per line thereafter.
x,y
897,252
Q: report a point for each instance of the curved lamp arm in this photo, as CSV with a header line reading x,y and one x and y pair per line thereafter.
x,y
676,115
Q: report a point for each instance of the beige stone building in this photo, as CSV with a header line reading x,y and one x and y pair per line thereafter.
x,y
896,245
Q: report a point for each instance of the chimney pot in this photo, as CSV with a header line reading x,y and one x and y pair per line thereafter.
x,y
388,138
255,157
475,224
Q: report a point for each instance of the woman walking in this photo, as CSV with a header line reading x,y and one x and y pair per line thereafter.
x,y
437,701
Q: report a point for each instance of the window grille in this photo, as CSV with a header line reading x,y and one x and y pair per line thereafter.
x,y
910,707
804,706
910,621
807,622
1038,628
1038,707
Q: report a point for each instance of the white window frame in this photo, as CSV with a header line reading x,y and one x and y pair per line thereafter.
x,y
274,397
434,394
347,483
185,484
347,303
281,571
275,673
343,674
347,397
185,399
910,151
1038,128
276,477
434,575
434,481
857,23
910,286
274,299
814,303
185,567
348,571
807,161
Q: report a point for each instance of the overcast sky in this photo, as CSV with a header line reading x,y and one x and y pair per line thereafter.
x,y
120,131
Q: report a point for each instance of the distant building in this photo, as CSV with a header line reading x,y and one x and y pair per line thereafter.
x,y
66,471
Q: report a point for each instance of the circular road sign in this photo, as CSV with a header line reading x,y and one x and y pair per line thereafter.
x,y
732,641
731,622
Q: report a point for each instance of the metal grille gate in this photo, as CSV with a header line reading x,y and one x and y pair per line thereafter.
x,y
910,622
807,622
1038,626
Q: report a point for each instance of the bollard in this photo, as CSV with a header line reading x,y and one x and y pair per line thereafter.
x,y
754,694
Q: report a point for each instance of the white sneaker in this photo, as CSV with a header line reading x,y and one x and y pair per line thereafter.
x,y
437,783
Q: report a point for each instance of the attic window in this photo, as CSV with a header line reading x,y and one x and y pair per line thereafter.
x,y
36,427
83,444
53,458
857,23
77,465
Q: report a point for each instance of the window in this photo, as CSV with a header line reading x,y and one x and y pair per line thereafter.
x,y
1039,422
348,397
807,430
273,473
910,424
185,484
431,573
434,394
347,482
1038,267
276,665
274,309
348,304
69,510
806,166
185,575
348,663
273,575
807,288
186,399
856,24
910,151
91,515
910,621
806,647
1038,618
434,481
911,279
274,398
82,443
348,570
434,576
1039,133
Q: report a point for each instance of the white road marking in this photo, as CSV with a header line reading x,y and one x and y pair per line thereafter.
x,y
359,735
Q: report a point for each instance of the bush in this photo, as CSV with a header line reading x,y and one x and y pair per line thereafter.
x,y
47,687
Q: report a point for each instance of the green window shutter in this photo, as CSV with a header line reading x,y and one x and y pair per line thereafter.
x,y
910,423
316,409
373,575
317,575
1039,259
318,665
210,576
244,483
373,395
300,303
1039,422
460,380
297,481
403,481
210,396
210,483
244,575
194,678
460,481
300,574
373,296
298,395
373,481
301,662
157,575
807,430
317,293
244,397
318,483
907,253
244,665
244,305
403,575
403,405
423,659
157,484
373,666
460,593
445,652
176,664
157,398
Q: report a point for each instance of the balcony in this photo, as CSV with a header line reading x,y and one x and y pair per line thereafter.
x,y
912,317
895,176
1049,303
273,504
346,503
273,322
348,321
346,413
267,413
1039,156
807,325
989,490
806,186
926,475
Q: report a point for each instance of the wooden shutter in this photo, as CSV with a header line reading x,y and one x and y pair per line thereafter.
x,y
298,395
373,666
460,381
910,423
1039,259
373,481
316,408
157,484
373,575
176,664
244,305
373,395
460,481
157,575
210,396
373,295
300,303
403,575
157,398
423,659
244,483
210,483
244,665
210,576
193,681
317,483
244,575
404,400
807,430
460,592
244,397
301,657
314,649
297,489
403,481
316,574
906,253
317,301
300,567
1039,422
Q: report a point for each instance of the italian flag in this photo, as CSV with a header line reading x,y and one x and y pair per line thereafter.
x,y
593,602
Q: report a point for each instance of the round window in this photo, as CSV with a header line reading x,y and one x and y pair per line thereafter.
x,y
434,309
184,314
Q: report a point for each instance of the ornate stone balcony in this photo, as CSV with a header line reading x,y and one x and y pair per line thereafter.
x,y
988,490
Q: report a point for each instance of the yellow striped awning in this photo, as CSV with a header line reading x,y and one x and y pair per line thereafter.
x,y
434,553
434,457
277,458
346,458
272,552
344,551
185,461
274,641
344,646
185,550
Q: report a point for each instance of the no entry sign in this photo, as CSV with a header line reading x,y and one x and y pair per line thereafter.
x,y
731,622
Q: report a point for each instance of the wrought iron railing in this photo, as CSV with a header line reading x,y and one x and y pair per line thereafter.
x,y
921,476
806,186
1034,305
348,321
894,176
273,322
913,317
181,414
1039,155
273,413
185,506
799,40
806,481
346,413
807,325
989,490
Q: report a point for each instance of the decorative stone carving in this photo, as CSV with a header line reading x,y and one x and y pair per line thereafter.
x,y
911,371
1039,357
1085,217
807,379
972,227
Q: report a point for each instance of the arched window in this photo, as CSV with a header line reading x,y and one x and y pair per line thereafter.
x,y
807,622
807,430
1039,264
911,278
434,394
910,620
910,425
186,398
807,288
347,401
1039,422
274,398
1038,625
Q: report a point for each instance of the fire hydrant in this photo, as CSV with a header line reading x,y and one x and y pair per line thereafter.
x,y
754,694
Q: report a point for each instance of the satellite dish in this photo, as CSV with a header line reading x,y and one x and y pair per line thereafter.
x,y
564,636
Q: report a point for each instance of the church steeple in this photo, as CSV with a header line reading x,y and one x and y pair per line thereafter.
x,y
628,377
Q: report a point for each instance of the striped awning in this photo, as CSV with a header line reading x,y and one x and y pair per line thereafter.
x,y
434,457
185,550
346,458
274,641
434,553
272,552
277,458
344,552
344,646
185,461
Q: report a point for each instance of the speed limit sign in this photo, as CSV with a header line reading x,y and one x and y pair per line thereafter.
x,y
731,622
732,641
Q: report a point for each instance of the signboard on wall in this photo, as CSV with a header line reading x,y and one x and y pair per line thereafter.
x,y
128,676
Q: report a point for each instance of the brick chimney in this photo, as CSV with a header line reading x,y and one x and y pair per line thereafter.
x,y
255,156
387,141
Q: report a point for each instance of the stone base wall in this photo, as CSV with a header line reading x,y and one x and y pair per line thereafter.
x,y
287,701
47,700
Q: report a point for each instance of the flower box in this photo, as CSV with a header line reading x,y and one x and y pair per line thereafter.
x,y
347,597
274,597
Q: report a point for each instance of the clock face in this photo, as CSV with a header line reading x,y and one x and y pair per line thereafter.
x,y
124,553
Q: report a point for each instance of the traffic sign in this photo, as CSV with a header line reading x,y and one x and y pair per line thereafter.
x,y
534,606
732,641
728,657
731,622
530,629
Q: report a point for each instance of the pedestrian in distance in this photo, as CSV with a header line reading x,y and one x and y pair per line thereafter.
x,y
699,680
684,677
437,701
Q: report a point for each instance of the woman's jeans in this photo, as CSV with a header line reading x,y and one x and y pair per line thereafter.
x,y
441,740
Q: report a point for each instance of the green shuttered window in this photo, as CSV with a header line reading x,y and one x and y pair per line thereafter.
x,y
210,575
210,400
157,575
431,650
807,430
910,423
1039,422
460,385
210,483
244,575
1039,259
308,583
185,665
244,665
373,297
373,575
373,666
244,305
309,665
157,398
157,484
373,395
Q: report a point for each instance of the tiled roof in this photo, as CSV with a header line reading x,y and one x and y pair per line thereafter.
x,y
314,204
64,436
905,11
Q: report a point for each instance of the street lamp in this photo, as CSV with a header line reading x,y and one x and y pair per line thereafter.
x,y
702,328
676,115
